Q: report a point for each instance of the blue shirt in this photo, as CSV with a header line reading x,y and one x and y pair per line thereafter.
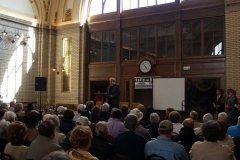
x,y
234,131
166,148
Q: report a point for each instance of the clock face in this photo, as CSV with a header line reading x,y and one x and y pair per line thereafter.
x,y
145,66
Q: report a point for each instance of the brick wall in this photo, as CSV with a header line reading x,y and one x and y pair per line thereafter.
x,y
232,9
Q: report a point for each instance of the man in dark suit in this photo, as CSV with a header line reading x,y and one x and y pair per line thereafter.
x,y
113,93
218,101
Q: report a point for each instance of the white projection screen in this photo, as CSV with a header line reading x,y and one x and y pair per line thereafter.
x,y
169,92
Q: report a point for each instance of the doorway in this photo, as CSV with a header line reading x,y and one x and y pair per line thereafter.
x,y
98,87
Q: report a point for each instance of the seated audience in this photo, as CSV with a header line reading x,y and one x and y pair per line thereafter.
x,y
175,118
125,111
83,121
194,116
59,137
16,133
224,138
167,112
105,114
153,127
60,111
66,123
43,144
57,155
210,149
95,117
101,146
81,138
163,146
9,116
140,130
206,117
87,111
80,108
3,132
128,142
18,109
141,108
31,120
4,106
186,135
223,117
115,126
12,106
29,108
234,131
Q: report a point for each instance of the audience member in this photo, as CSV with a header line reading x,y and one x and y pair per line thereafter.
x,y
105,114
167,112
57,155
163,146
141,108
223,117
80,108
234,131
210,149
128,142
3,131
9,116
16,133
83,121
101,146
194,116
18,109
175,118
4,106
29,108
43,144
31,120
206,117
153,127
60,111
59,137
67,124
12,106
87,111
140,130
231,108
95,118
224,138
125,111
81,138
115,126
186,135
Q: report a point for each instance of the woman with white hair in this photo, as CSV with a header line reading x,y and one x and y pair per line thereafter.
x,y
153,127
80,108
10,116
59,137
105,114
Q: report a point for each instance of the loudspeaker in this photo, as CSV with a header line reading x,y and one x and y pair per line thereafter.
x,y
40,83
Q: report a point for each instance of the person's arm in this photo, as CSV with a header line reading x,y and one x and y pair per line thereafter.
x,y
117,92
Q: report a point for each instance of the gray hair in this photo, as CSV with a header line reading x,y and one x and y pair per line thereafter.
x,y
193,115
105,107
9,116
101,129
207,117
3,106
154,118
130,122
223,116
52,117
57,155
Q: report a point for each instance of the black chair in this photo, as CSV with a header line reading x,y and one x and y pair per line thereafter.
x,y
7,157
155,157
236,141
121,157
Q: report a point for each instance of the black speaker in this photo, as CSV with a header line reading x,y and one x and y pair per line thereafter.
x,y
40,83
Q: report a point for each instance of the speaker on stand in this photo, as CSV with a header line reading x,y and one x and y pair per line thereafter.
x,y
40,85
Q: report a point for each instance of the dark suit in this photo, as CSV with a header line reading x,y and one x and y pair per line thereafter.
x,y
113,90
218,101
232,111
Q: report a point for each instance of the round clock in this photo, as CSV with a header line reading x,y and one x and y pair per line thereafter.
x,y
145,66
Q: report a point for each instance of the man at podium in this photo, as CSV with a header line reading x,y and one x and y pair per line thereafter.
x,y
113,93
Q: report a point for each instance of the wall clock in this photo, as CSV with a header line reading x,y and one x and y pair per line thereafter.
x,y
145,66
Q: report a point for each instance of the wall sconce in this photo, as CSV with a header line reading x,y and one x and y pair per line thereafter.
x,y
4,32
54,69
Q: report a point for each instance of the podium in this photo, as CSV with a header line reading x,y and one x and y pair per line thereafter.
x,y
102,96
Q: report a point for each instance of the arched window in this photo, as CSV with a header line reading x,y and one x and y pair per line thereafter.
x,y
132,4
103,6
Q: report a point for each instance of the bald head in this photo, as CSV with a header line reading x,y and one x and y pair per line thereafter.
x,y
188,122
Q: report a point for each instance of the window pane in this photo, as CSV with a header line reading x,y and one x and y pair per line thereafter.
x,y
92,47
143,41
170,40
161,40
151,2
112,49
126,4
218,35
142,3
133,43
187,38
110,6
151,39
134,4
96,7
164,1
125,44
105,46
196,37
208,36
98,47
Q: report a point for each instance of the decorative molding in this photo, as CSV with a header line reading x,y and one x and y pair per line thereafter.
x,y
68,15
46,8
